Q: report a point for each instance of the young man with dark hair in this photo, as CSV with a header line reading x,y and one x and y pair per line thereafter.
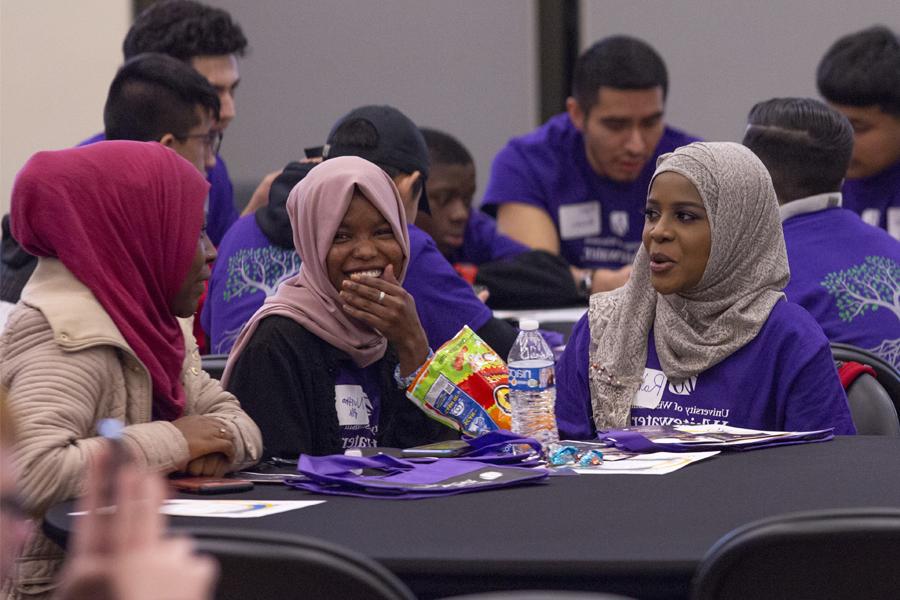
x,y
152,98
859,76
844,272
207,39
578,184
462,235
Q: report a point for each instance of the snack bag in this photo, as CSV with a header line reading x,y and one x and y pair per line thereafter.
x,y
464,386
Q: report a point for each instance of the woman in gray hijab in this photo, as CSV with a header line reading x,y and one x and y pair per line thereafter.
x,y
702,332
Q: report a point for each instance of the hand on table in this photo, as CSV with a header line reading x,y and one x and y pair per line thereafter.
x,y
205,435
211,465
393,314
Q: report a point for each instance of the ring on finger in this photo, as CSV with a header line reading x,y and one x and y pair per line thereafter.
x,y
381,297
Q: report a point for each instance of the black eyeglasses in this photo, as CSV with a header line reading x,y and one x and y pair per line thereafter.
x,y
212,140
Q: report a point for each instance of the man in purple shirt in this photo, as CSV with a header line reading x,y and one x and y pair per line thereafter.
x,y
576,186
859,76
844,272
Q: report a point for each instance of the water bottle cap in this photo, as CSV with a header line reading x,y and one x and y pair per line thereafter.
x,y
528,324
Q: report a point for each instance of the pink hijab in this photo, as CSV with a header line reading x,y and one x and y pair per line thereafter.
x,y
316,207
125,219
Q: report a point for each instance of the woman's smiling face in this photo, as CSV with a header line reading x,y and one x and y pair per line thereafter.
x,y
364,243
676,234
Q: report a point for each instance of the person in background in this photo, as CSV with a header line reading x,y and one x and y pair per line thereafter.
x,y
845,272
859,76
324,364
153,97
576,185
118,227
701,333
462,235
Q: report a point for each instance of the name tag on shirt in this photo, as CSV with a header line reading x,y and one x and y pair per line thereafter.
x,y
893,222
352,404
652,387
871,216
579,220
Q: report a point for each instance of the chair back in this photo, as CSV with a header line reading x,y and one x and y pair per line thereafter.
x,y
886,374
214,364
836,554
278,566
872,410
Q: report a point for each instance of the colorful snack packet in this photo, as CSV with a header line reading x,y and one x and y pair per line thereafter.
x,y
465,386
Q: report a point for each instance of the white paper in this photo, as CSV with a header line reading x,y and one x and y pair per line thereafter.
x,y
224,509
650,392
552,315
654,463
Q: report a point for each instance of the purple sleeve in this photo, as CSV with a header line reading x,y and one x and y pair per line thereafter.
x,y
815,398
573,395
513,179
444,301
483,243
222,212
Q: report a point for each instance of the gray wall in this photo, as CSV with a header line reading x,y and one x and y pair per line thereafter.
x,y
466,66
725,55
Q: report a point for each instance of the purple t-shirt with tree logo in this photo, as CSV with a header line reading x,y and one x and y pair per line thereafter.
x,y
846,273
599,221
782,380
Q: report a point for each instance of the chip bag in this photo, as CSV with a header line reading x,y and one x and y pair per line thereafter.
x,y
465,386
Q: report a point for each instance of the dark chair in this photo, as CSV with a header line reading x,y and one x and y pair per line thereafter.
x,y
214,364
835,554
886,374
872,410
269,565
539,595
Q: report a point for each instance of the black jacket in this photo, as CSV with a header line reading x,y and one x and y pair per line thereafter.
x,y
284,379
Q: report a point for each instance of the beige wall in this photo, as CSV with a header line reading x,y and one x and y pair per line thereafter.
x,y
723,56
57,58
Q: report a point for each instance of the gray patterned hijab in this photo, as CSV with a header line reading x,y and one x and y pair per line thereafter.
x,y
698,328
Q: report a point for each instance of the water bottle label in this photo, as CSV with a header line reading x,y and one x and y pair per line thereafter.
x,y
530,379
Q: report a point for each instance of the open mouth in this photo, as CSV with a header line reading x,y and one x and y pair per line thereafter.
x,y
367,273
660,263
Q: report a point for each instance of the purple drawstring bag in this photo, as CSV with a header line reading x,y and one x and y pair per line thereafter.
x,y
406,479
638,440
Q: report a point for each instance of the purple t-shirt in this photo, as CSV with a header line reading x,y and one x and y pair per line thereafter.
x,y
783,380
847,275
221,212
876,199
599,221
357,403
444,301
249,269
483,243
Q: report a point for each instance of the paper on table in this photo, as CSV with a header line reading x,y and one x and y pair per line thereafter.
x,y
550,315
654,463
226,509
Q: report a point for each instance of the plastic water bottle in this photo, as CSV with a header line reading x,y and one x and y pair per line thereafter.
x,y
532,385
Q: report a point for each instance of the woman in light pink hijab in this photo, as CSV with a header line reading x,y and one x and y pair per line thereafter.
x,y
320,365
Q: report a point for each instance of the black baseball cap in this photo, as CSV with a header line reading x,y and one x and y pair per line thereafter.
x,y
399,143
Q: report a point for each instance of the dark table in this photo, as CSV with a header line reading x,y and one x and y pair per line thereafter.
x,y
640,535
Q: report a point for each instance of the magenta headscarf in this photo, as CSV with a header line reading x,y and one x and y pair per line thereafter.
x,y
125,219
316,207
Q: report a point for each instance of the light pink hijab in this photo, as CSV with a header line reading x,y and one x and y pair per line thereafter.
x,y
316,207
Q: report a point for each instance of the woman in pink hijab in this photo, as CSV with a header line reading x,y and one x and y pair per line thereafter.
x,y
321,366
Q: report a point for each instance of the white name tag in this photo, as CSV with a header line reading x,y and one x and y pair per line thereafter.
x,y
871,216
651,390
579,220
352,404
893,221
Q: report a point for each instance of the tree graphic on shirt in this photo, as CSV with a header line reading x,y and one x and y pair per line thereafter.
x,y
870,286
252,270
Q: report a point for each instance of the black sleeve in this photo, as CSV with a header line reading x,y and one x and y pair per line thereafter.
x,y
499,335
535,279
269,380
